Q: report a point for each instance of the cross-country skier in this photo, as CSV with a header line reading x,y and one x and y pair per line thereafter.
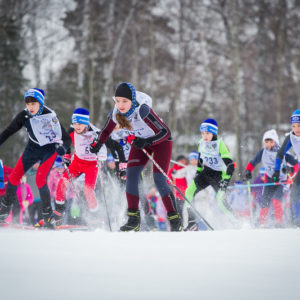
x,y
82,133
215,166
47,138
150,134
119,136
267,156
292,140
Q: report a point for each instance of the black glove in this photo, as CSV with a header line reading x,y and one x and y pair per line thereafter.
x,y
199,165
122,174
60,149
141,143
248,175
67,159
200,162
275,176
223,184
95,147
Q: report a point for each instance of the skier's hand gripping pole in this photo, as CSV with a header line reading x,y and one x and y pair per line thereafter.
x,y
130,138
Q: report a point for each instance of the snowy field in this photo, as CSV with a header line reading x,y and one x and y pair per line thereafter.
x,y
224,264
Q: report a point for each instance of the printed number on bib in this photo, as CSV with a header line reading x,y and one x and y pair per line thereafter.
x,y
211,160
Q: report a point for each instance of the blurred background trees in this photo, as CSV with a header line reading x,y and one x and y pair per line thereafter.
x,y
237,61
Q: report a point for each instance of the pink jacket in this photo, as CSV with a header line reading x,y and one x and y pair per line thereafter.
x,y
24,193
53,179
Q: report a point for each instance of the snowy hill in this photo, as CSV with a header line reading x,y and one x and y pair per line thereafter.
x,y
225,264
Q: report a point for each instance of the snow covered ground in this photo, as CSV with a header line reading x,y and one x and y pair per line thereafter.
x,y
223,264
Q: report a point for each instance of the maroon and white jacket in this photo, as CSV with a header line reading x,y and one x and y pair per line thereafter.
x,y
145,124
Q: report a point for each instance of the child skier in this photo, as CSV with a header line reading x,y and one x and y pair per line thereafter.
x,y
83,133
150,134
272,193
215,166
46,138
291,141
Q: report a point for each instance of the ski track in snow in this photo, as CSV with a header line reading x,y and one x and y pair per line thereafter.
x,y
225,264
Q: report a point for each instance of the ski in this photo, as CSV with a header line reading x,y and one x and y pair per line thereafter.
x,y
17,226
31,227
72,227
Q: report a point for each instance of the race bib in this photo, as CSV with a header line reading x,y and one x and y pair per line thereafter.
x,y
46,128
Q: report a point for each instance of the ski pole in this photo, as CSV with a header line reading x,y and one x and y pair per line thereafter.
x,y
102,188
130,139
71,181
177,163
101,181
241,186
250,201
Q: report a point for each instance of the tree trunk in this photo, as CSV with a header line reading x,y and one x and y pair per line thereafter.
x,y
115,52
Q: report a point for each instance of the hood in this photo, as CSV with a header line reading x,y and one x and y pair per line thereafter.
x,y
271,134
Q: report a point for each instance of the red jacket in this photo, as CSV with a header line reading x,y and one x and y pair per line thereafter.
x,y
181,183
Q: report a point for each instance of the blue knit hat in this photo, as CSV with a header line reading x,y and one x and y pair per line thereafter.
x,y
58,162
209,125
110,158
262,171
193,155
295,118
81,116
37,94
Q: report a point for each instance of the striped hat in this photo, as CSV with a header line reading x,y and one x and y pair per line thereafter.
x,y
81,116
110,158
193,155
295,118
209,125
37,94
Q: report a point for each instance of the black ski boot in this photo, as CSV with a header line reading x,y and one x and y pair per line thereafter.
x,y
4,210
192,226
59,214
49,221
175,221
134,221
6,204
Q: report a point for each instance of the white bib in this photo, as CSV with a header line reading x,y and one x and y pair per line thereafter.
x,y
46,128
139,126
211,155
82,144
268,160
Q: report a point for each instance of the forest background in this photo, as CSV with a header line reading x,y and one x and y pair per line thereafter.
x,y
237,61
